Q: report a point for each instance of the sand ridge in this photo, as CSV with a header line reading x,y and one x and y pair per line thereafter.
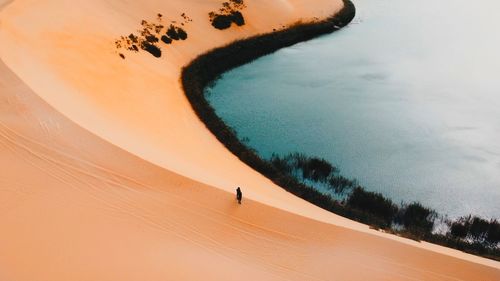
x,y
97,211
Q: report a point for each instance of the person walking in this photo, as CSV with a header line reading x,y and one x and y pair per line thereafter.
x,y
239,195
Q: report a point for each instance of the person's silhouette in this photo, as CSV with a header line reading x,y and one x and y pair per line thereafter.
x,y
239,195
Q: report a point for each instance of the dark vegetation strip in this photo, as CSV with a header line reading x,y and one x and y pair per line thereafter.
x,y
470,234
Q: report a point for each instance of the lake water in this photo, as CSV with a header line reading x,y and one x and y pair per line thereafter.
x,y
406,100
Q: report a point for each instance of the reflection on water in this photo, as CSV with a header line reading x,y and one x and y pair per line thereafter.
x,y
406,100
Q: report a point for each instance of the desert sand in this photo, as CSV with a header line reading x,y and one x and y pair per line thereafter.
x,y
107,173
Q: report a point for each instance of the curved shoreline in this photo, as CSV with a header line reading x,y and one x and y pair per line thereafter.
x,y
207,68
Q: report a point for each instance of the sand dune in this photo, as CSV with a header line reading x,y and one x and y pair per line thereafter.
x,y
107,174
74,207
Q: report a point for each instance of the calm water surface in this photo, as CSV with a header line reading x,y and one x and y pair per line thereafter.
x,y
406,100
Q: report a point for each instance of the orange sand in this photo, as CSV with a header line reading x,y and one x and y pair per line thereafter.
x,y
134,187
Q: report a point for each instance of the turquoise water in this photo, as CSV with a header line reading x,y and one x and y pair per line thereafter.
x,y
406,100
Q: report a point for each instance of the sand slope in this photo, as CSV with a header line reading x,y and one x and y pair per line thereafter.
x,y
80,204
74,207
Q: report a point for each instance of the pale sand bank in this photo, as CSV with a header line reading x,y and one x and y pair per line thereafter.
x,y
74,205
